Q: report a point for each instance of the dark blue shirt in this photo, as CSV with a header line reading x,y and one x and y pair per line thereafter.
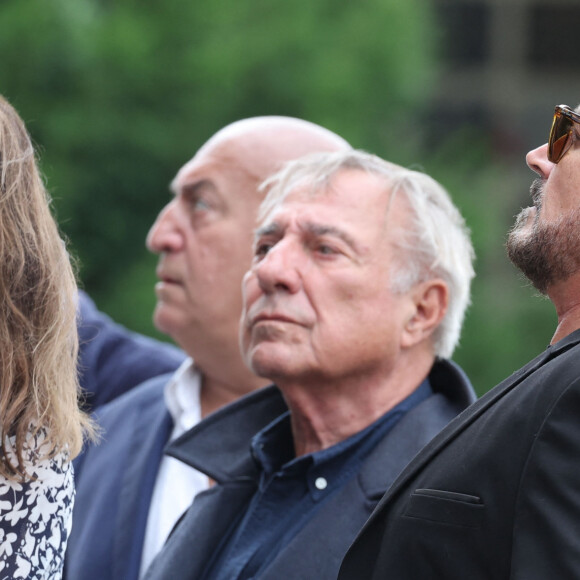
x,y
291,489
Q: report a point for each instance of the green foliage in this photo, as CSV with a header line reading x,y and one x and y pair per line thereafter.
x,y
119,94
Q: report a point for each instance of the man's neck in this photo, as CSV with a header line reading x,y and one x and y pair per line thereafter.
x,y
216,393
325,413
568,322
566,298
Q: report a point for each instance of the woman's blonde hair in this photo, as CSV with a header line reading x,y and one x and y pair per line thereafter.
x,y
38,338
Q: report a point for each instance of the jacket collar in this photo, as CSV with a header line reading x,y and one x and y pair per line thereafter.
x,y
452,394
219,446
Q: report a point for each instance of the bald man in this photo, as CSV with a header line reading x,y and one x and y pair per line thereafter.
x,y
129,496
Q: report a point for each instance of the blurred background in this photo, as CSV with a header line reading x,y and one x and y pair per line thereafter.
x,y
118,94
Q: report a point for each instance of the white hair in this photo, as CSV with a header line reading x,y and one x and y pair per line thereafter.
x,y
436,243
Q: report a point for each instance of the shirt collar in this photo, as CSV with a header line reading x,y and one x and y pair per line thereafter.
x,y
182,397
273,446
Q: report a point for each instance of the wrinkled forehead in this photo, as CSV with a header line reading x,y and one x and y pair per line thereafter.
x,y
353,201
225,169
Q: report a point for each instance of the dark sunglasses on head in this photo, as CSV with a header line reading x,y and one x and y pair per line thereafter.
x,y
562,132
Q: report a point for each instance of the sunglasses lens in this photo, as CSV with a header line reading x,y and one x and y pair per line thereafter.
x,y
560,136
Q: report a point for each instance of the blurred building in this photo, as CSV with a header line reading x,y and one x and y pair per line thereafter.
x,y
507,64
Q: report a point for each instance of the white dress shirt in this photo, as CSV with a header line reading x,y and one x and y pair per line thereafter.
x,y
177,483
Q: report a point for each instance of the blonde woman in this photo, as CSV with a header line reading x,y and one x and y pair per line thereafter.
x,y
40,424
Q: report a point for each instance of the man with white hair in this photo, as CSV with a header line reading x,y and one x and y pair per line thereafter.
x,y
352,306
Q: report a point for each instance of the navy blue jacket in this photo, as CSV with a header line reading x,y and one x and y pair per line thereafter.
x,y
112,361
115,482
219,446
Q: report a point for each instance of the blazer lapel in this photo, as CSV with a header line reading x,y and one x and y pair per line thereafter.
x,y
460,423
407,438
218,446
201,531
150,434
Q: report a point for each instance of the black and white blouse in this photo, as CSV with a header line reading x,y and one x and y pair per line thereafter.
x,y
35,517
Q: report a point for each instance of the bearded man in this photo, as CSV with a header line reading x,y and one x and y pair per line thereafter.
x,y
497,493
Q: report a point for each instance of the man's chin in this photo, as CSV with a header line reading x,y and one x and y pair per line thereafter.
x,y
265,360
522,229
166,319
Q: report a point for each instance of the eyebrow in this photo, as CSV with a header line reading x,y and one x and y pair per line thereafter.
x,y
315,229
269,230
322,230
191,188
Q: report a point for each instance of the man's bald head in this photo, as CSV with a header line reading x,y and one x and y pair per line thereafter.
x,y
261,145
204,235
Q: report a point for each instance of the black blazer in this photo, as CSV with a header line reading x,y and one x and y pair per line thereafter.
x,y
219,446
495,495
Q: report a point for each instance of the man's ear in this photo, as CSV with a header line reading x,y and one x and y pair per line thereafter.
x,y
430,300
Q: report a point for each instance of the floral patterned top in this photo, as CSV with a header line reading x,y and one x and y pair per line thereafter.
x,y
35,517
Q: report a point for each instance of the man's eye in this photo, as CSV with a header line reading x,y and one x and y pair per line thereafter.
x,y
199,204
325,250
262,249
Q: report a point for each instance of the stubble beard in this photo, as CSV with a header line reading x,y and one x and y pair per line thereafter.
x,y
546,253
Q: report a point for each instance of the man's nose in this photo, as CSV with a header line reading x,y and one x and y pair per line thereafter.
x,y
281,268
165,234
537,160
